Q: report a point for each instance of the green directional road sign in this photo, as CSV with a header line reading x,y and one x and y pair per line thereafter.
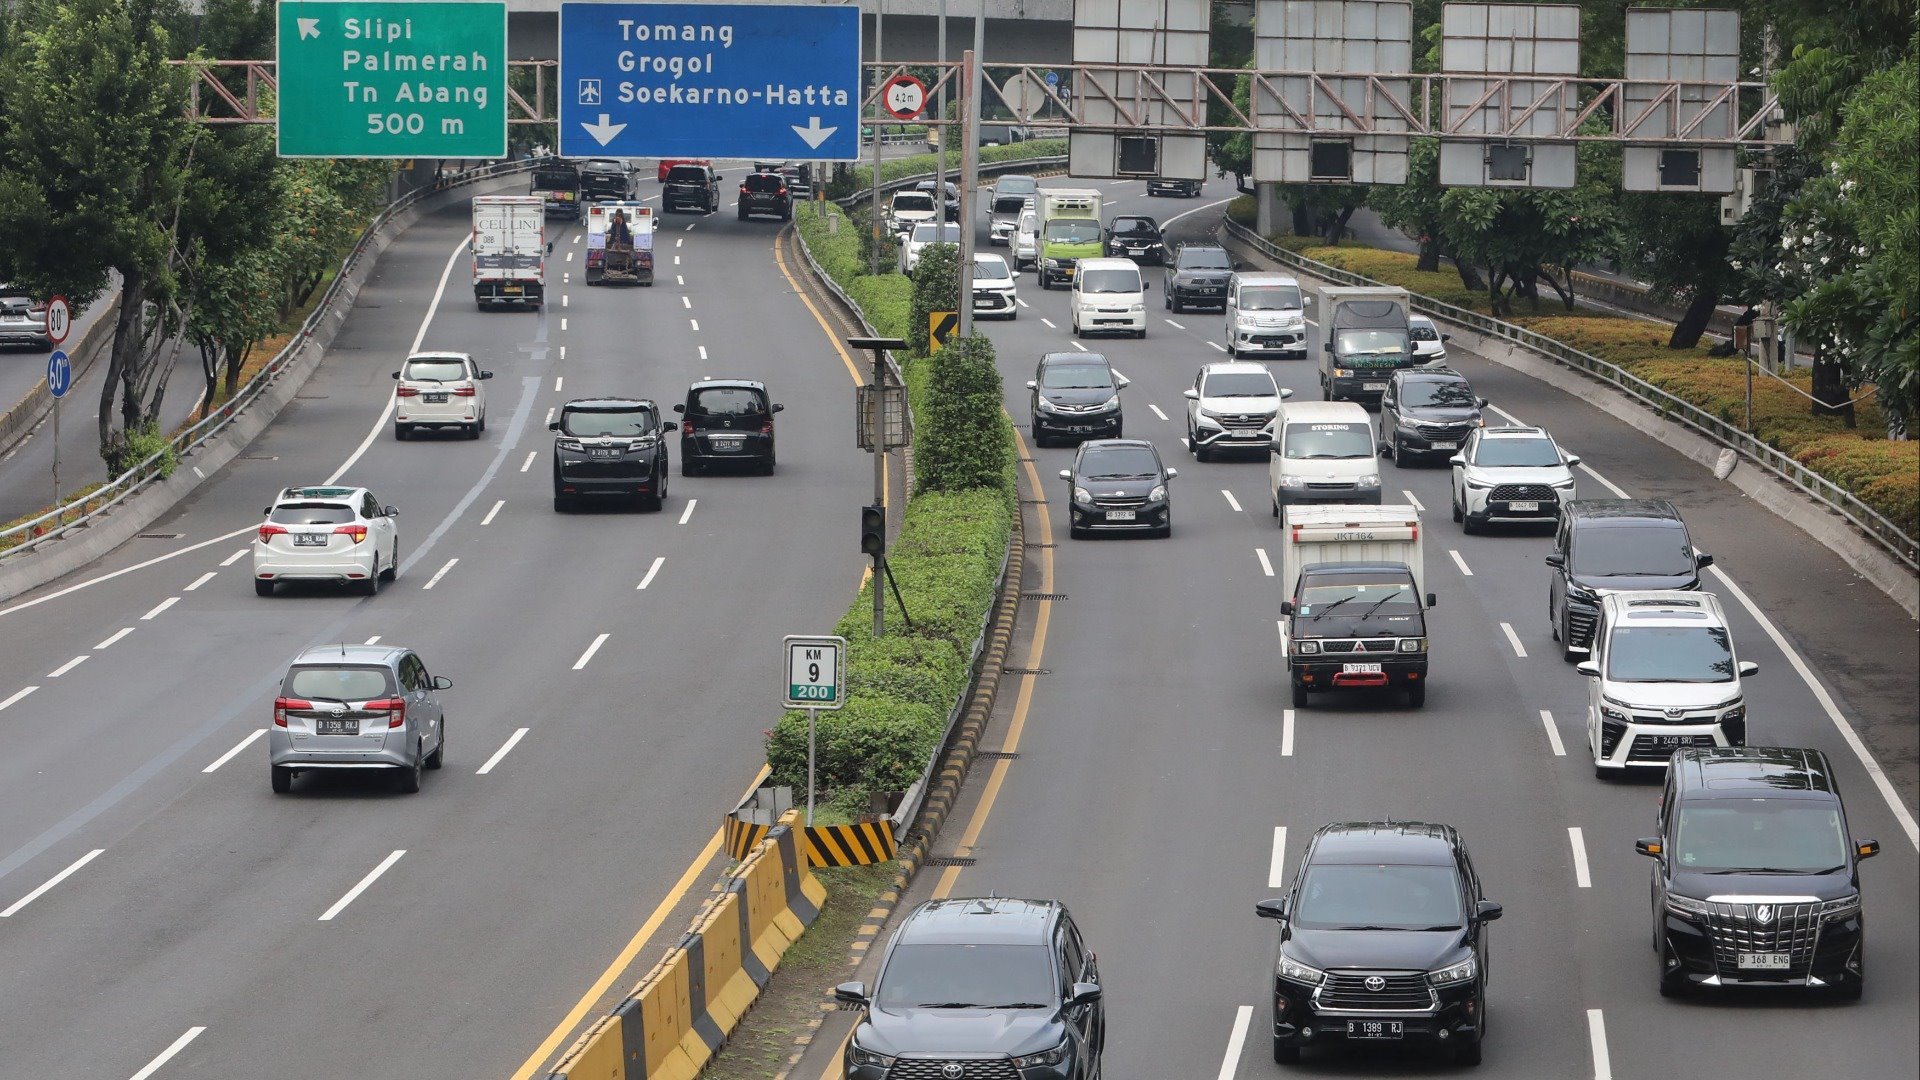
x,y
393,78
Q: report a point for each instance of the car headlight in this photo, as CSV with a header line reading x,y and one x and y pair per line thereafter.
x,y
1054,263
1137,307
1310,648
1111,403
1464,971
860,1055
1479,485
1294,322
1046,1057
1844,908
1082,496
569,444
1734,715
1611,713
1368,481
1342,373
1685,905
1413,644
1158,493
1295,971
1582,594
1205,417
1045,406
1293,481
1567,485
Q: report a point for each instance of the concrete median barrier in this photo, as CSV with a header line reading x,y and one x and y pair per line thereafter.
x,y
862,843
682,1011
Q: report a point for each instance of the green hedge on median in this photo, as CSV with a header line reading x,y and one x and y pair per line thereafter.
x,y
860,177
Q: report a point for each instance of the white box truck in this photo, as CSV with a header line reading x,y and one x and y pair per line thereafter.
x,y
509,250
1356,615
1367,340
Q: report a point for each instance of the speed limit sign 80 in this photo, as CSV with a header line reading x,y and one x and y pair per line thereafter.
x,y
59,320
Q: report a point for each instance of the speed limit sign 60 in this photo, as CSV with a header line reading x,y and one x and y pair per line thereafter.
x,y
904,97
59,320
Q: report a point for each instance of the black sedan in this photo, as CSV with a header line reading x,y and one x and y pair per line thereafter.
x,y
1118,485
1136,238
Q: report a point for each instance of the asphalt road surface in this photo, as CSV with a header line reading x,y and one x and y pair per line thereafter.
x,y
1162,784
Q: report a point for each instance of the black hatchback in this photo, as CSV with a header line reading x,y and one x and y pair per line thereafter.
x,y
609,448
1119,485
726,422
766,194
1427,412
1383,941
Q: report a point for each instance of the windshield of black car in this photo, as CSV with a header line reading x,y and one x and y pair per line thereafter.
x,y
600,423
337,683
1135,227
1073,231
687,174
728,402
1110,281
555,179
1782,835
1630,551
311,513
1205,260
1119,463
435,370
936,234
1337,895
1437,393
1270,298
1239,384
1517,453
1304,441
913,203
1076,377
962,975
994,269
1366,343
1690,654
1009,204
1318,594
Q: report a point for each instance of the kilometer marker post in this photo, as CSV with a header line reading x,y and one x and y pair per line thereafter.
x,y
814,678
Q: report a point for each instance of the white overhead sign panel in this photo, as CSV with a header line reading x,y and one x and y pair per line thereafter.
x,y
1680,66
1510,42
1359,133
1150,33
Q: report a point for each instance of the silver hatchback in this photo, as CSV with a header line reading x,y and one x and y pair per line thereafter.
x,y
357,707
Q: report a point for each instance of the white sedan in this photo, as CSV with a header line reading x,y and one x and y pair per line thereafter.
x,y
339,534
1429,344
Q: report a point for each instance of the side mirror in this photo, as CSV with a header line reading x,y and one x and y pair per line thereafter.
x,y
549,247
1866,849
441,682
1033,384
266,509
1066,474
851,993
1286,607
778,407
396,374
1572,460
1146,286
1124,383
1555,560
1083,994
1449,337
486,374
553,425
1650,846
1702,560
1487,911
1432,601
1589,668
1239,266
1171,473
1272,909
1273,448
1458,461
1307,301
1748,669
680,408
1190,394
1480,403
669,427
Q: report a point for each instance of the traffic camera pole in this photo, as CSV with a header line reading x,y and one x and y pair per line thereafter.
x,y
877,432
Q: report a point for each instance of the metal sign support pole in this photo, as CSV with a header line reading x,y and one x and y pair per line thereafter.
x,y
969,169
880,483
940,113
813,716
873,204
56,451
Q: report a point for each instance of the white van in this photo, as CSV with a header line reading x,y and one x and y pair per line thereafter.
x,y
1109,296
1266,313
1323,452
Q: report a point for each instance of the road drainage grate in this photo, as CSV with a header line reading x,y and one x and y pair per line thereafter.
x,y
159,536
1026,671
999,755
949,860
1043,596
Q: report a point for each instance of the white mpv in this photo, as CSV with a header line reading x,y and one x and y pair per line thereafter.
x,y
1664,676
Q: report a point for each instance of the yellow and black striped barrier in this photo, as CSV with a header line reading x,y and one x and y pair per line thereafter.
x,y
862,843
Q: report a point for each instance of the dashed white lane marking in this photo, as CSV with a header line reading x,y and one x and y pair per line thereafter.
x,y
68,666
703,352
1618,491
677,242
51,882
676,260
1597,1035
16,698
1173,324
1514,640
679,280
374,640
563,300
569,256
354,893
160,607
1217,347
1111,202
1580,875
1021,302
566,279
488,520
531,454
687,514
687,302
1277,867
691,224
1411,498
1231,501
1077,345
558,382
202,580
440,573
651,570
1286,733
549,415
1184,442
1156,410
1237,1042
591,649
196,468
1460,562
696,325
252,737
166,1055
512,741
563,322
1049,323
1553,734
234,558
1266,564
563,352
117,635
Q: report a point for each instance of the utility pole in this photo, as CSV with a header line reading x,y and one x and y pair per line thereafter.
x,y
875,230
940,113
970,168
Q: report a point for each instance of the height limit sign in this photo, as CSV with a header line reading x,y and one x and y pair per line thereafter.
x,y
816,676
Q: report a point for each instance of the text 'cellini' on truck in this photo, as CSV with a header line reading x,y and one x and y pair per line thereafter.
x,y
1356,618
1367,339
619,244
509,250
1069,232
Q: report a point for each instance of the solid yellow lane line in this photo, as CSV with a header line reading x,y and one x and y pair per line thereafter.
x,y
553,1042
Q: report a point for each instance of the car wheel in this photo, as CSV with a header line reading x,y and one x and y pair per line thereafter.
x,y
400,431
1467,524
562,504
766,467
1416,695
688,467
1075,532
439,755
408,779
1201,451
1284,1054
370,586
1039,440
1232,353
282,776
481,426
392,572
1299,694
1394,453
1166,301
1459,516
743,215
1141,334
262,588
1275,503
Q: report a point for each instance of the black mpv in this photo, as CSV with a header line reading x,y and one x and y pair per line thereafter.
x,y
1198,278
1614,545
1756,881
1118,485
726,422
1427,412
980,988
609,448
1074,396
1383,939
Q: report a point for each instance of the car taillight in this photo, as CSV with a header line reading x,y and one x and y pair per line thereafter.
x,y
464,391
686,427
766,428
269,531
406,391
395,708
743,189
281,705
782,191
358,532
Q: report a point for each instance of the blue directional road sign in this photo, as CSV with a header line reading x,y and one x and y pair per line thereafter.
x,y
59,374
705,80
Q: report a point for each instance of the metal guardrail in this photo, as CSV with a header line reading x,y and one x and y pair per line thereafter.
x,y
986,168
1816,487
55,522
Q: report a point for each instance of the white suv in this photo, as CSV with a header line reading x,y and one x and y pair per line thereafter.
x,y
440,389
995,292
338,534
925,235
1510,474
1663,676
